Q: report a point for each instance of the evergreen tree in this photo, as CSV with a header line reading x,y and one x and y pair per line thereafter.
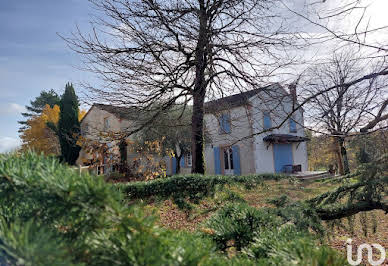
x,y
69,126
363,156
36,106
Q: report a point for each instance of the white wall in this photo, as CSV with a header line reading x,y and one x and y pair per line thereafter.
x,y
278,103
240,128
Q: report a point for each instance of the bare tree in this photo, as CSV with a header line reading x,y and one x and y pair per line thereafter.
x,y
347,108
181,51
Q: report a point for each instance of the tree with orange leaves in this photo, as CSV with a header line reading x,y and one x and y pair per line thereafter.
x,y
41,138
38,136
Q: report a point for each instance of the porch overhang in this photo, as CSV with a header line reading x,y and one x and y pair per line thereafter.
x,y
284,138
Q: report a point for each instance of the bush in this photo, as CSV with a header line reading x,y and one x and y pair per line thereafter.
x,y
237,224
192,186
26,244
289,246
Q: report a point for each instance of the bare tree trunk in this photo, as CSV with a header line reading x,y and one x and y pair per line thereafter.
x,y
198,165
344,156
339,157
178,164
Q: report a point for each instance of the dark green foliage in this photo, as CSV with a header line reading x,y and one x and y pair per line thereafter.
x,y
231,196
301,215
53,215
367,192
269,238
69,126
192,186
362,156
36,106
279,201
288,246
27,244
239,223
39,188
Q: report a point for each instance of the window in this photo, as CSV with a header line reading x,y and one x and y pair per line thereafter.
x,y
292,126
267,120
224,121
189,159
106,123
228,161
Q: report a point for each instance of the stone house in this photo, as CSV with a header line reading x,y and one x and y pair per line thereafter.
x,y
250,132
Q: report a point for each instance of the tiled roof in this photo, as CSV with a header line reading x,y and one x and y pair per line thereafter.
x,y
231,101
119,111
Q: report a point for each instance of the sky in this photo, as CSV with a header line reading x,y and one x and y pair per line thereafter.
x,y
33,57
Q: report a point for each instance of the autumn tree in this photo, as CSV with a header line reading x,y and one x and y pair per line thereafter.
x,y
68,129
37,106
38,136
173,130
182,51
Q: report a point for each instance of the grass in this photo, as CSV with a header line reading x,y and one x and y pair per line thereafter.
x,y
172,217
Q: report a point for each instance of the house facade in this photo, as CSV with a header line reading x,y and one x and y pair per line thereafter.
x,y
250,132
255,132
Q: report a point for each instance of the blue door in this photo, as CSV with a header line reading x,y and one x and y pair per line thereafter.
x,y
283,156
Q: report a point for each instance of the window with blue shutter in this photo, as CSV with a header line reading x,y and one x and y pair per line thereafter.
x,y
217,162
173,170
266,120
225,126
182,161
292,126
236,160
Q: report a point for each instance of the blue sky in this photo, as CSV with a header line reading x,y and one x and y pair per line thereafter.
x,y
33,57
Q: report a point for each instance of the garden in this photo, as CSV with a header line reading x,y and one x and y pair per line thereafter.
x,y
54,215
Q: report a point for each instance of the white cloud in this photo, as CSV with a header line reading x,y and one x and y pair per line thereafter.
x,y
8,144
11,108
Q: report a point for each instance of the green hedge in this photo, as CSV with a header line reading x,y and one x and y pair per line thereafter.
x,y
193,186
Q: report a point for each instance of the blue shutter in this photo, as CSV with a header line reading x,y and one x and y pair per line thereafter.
x,y
217,163
267,121
236,160
182,161
292,125
173,170
227,123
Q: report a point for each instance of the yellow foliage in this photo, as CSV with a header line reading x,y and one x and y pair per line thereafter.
x,y
321,152
81,114
38,136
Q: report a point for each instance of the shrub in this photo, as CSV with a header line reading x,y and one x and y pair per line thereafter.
x,y
192,186
279,201
26,244
237,224
289,246
41,189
